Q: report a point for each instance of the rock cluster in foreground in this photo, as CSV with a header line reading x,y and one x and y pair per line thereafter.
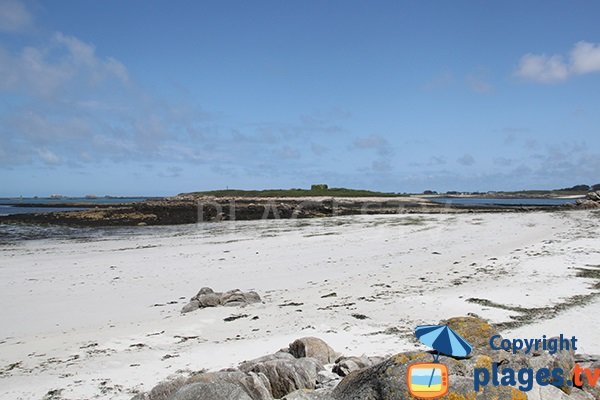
x,y
299,373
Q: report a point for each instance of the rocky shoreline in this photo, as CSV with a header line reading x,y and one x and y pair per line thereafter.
x,y
309,369
189,209
591,201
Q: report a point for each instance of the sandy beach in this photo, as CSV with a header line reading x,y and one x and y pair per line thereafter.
x,y
100,317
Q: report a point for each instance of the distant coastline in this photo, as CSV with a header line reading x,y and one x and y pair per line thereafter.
x,y
231,204
68,201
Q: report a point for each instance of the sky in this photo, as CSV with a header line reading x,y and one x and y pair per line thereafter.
x,y
163,97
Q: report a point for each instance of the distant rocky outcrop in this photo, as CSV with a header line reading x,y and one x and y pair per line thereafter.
x,y
299,373
191,209
207,297
591,201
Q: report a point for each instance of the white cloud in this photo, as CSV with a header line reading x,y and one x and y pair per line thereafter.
x,y
45,129
81,53
75,104
116,68
37,75
66,60
584,58
14,17
72,104
542,68
48,157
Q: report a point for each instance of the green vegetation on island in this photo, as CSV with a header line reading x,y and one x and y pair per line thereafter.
x,y
315,191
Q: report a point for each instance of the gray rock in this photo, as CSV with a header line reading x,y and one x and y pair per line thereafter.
x,y
313,347
206,297
548,392
327,380
211,391
593,391
247,366
203,291
564,360
474,330
208,300
191,306
578,394
593,196
298,374
588,204
255,385
286,376
387,380
164,390
304,394
344,365
587,359
236,297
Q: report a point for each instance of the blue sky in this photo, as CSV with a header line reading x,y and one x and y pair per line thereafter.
x,y
157,98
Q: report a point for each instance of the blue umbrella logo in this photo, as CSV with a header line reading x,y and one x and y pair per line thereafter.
x,y
444,340
430,380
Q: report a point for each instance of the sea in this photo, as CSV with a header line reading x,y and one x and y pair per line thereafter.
x,y
10,205
486,201
11,233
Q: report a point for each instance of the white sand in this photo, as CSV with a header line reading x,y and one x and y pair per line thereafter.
x,y
73,311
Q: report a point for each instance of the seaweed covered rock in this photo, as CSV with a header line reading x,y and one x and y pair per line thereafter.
x,y
474,330
387,381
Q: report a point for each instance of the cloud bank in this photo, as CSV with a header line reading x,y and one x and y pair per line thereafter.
x,y
14,17
583,59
